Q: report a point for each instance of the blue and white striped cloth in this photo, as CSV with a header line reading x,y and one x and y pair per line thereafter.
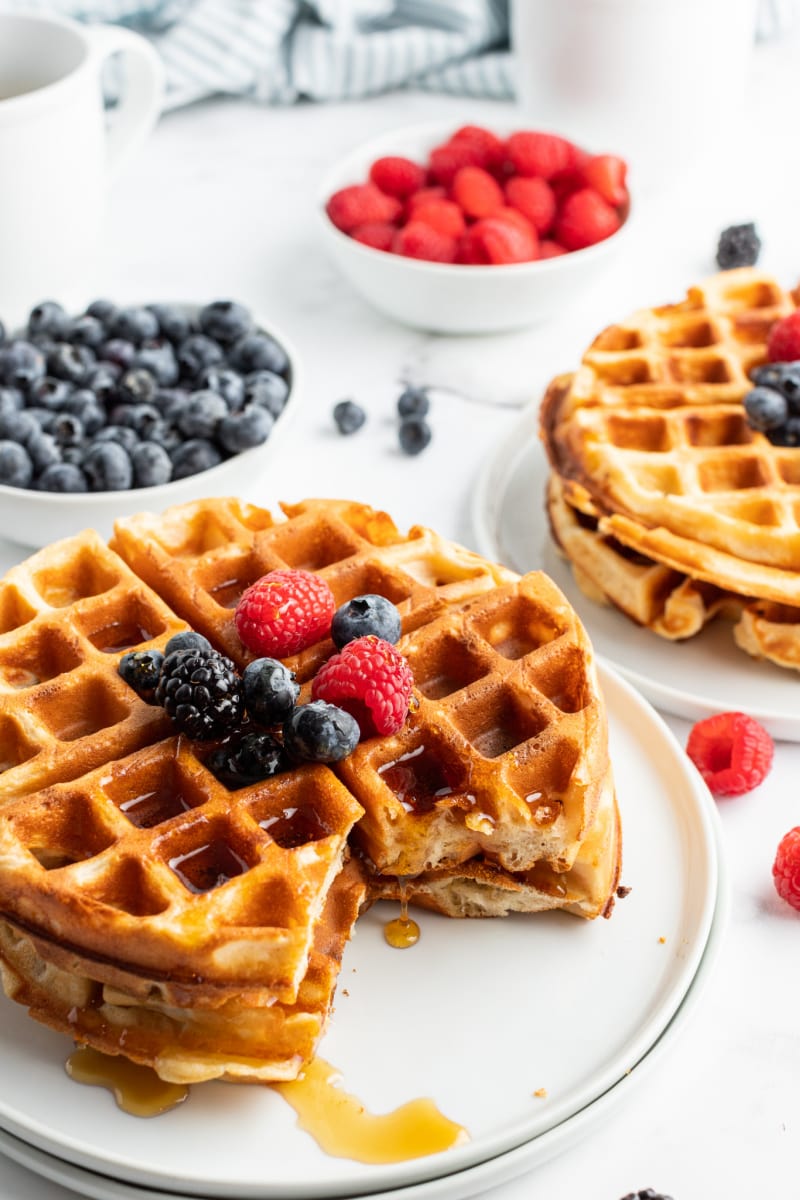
x,y
279,51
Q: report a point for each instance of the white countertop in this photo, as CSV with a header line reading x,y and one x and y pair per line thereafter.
x,y
220,204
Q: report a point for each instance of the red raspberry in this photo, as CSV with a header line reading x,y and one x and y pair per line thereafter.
x,y
378,234
498,240
361,204
478,194
606,174
397,176
283,612
446,160
585,218
548,249
541,154
783,343
731,751
535,200
371,680
786,868
443,215
434,192
489,149
418,240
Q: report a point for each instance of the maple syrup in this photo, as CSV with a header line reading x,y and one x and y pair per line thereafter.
x,y
403,931
420,779
342,1127
137,1089
208,867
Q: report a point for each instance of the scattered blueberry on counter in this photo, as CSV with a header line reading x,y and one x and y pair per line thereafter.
x,y
120,398
348,416
738,246
414,433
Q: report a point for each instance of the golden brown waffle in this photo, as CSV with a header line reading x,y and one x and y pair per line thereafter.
x,y
652,426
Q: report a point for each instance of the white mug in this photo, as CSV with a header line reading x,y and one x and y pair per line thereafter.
x,y
56,155
656,81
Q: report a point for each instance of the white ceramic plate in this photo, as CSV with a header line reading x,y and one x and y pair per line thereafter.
x,y
478,1016
693,679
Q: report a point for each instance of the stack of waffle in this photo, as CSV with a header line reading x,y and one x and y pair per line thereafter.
x,y
149,910
665,501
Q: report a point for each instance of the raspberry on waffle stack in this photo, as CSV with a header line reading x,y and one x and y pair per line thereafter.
x,y
665,500
150,909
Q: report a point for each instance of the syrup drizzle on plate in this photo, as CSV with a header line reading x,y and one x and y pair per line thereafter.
x,y
403,931
137,1089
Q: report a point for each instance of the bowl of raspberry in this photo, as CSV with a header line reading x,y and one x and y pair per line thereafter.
x,y
120,409
469,230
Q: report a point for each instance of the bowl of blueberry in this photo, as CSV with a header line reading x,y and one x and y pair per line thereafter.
x,y
123,409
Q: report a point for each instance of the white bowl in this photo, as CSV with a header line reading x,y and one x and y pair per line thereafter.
x,y
36,518
444,297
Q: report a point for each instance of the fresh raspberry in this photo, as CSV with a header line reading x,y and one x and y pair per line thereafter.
x,y
783,343
731,751
540,154
476,192
444,215
564,183
535,200
786,868
361,204
498,240
550,249
606,174
446,161
418,240
489,149
397,176
371,680
584,219
283,612
378,234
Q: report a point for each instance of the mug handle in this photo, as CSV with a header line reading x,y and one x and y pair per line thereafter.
x,y
140,105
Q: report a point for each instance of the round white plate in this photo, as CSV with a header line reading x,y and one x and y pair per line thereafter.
x,y
693,679
479,1015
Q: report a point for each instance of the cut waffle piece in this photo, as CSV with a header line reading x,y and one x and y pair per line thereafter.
x,y
652,425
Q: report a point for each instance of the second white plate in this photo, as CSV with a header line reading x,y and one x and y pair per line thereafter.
x,y
693,679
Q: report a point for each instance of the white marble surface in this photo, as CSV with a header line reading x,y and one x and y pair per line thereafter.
x,y
221,203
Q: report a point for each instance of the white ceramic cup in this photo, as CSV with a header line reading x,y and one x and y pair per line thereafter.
x,y
658,81
56,154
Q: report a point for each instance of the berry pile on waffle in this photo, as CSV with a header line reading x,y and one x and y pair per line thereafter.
x,y
188,830
666,493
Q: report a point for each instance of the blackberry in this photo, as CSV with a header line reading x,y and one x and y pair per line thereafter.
x,y
188,640
766,409
414,402
320,732
141,670
414,434
348,416
270,691
365,615
202,693
241,430
739,246
246,759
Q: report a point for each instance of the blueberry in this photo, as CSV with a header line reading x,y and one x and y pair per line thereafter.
x,y
159,359
69,362
789,383
102,379
133,325
108,467
152,465
141,670
18,426
2,332
226,383
365,615
44,417
245,759
21,363
194,456
144,419
49,392
738,246
50,319
414,402
137,386
44,450
66,428
122,435
83,405
348,416
119,351
259,352
187,640
765,408
320,732
202,414
414,434
11,399
102,310
196,352
270,691
225,320
62,477
786,435
88,331
174,323
16,468
244,429
269,390
171,402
